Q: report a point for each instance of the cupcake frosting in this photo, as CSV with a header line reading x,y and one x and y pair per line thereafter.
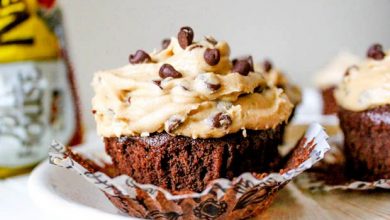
x,y
276,78
273,76
333,73
366,85
195,95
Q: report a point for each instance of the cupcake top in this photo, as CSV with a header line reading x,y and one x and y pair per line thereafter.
x,y
366,85
188,88
276,78
333,73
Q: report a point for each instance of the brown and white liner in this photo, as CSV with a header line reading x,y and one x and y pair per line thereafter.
x,y
245,196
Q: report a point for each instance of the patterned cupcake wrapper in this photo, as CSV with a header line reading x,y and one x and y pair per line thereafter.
x,y
245,196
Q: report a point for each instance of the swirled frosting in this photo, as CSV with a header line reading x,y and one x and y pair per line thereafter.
x,y
366,86
206,102
333,73
276,78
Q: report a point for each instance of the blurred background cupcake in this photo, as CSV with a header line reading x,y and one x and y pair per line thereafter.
x,y
363,98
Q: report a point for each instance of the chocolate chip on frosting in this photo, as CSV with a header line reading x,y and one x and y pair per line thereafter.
x,y
267,65
221,120
259,89
167,70
242,67
139,57
173,123
350,69
214,87
250,61
211,40
165,43
185,37
194,47
207,83
212,56
224,105
158,83
376,52
247,58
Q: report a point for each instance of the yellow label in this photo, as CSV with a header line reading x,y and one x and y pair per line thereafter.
x,y
8,172
23,34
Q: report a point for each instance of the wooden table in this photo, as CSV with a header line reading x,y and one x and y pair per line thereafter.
x,y
293,203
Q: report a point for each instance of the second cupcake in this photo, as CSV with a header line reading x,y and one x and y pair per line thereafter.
x,y
364,111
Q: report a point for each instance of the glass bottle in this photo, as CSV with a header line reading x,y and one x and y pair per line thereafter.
x,y
38,97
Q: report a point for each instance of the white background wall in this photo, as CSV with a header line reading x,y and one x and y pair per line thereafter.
x,y
300,36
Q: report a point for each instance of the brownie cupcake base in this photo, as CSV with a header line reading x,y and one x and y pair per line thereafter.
x,y
182,163
367,142
329,102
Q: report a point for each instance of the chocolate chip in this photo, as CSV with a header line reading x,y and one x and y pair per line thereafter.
x,y
214,87
211,56
247,58
250,61
224,105
165,43
221,120
185,88
267,65
211,40
243,95
376,52
280,86
207,83
242,67
139,57
185,37
173,126
167,70
194,47
349,69
173,123
158,83
93,111
259,89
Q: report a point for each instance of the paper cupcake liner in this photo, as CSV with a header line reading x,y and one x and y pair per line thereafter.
x,y
245,196
330,174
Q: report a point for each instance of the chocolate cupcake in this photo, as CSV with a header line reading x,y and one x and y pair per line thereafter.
x,y
363,98
327,79
186,115
276,78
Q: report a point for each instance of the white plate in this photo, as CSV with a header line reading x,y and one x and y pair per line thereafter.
x,y
63,194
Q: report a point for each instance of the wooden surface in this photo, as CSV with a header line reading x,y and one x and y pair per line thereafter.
x,y
295,203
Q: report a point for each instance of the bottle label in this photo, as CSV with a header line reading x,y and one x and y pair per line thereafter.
x,y
36,106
